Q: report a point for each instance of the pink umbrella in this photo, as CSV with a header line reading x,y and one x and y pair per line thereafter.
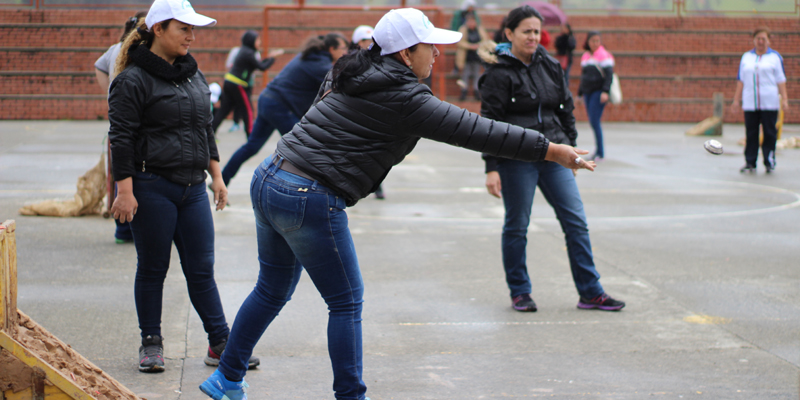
x,y
551,13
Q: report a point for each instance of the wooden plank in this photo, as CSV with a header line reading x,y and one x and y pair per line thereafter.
x,y
54,376
8,276
50,393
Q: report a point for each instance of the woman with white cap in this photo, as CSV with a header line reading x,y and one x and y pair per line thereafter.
x,y
368,118
162,145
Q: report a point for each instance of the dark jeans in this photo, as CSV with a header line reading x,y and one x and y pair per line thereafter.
x,y
169,213
519,180
594,108
272,114
300,224
767,119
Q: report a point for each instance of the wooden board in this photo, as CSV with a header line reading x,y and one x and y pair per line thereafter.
x,y
8,276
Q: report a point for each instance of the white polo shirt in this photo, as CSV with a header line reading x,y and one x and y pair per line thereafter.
x,y
761,76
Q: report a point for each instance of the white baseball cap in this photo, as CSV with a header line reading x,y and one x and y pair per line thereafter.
x,y
402,28
182,10
361,33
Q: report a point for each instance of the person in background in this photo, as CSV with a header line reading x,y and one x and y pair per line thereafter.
x,y
289,95
760,93
104,71
460,15
467,59
362,39
240,77
368,119
523,85
159,107
237,117
565,45
597,72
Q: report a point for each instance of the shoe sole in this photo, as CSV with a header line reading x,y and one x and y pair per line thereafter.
x,y
524,309
214,362
154,368
210,391
599,307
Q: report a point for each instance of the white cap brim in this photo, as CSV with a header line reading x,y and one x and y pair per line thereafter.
x,y
195,19
442,36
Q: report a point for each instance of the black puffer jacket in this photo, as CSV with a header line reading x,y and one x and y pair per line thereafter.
x,y
533,96
160,117
350,142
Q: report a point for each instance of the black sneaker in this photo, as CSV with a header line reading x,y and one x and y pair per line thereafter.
x,y
523,303
215,352
603,302
151,354
748,168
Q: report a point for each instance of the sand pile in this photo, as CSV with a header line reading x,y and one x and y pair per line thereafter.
x,y
16,375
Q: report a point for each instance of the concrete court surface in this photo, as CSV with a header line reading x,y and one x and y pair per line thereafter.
x,y
706,258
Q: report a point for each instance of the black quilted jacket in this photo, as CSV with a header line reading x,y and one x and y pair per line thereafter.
x,y
350,142
160,117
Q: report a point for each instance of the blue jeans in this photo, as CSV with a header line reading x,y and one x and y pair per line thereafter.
x,y
301,224
518,181
272,114
169,213
594,108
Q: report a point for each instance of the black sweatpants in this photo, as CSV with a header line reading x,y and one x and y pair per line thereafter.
x,y
767,119
234,97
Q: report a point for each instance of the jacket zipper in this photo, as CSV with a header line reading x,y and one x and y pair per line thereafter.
x,y
143,165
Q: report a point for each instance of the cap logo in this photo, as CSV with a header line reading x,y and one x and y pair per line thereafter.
x,y
186,5
426,22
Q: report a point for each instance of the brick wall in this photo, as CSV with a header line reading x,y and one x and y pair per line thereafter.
x,y
669,67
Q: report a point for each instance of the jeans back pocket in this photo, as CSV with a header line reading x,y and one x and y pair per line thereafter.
x,y
285,211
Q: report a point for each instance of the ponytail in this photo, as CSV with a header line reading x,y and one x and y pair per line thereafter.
x,y
131,23
353,64
141,36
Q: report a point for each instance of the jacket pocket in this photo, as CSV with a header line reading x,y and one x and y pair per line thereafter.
x,y
285,211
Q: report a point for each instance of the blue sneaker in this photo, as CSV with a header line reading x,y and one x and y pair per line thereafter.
x,y
219,388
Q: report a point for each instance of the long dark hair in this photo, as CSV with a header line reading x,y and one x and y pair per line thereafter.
x,y
517,15
131,23
322,43
356,63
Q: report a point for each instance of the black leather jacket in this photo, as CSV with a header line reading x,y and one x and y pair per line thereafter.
x,y
349,142
160,117
533,96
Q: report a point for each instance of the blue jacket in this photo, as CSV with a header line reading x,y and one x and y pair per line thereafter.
x,y
298,82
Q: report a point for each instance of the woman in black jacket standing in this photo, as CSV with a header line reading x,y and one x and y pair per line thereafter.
x,y
162,144
565,44
369,117
524,86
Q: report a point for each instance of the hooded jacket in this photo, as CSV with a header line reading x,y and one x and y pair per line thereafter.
x,y
160,115
298,82
246,62
349,142
532,96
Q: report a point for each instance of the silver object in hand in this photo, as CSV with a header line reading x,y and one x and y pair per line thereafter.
x,y
578,160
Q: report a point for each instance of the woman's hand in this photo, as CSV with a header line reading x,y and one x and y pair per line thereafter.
x,y
125,204
604,97
735,107
220,193
275,53
568,157
493,184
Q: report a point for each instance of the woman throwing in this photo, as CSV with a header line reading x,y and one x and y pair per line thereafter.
x,y
761,80
162,145
368,119
524,86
